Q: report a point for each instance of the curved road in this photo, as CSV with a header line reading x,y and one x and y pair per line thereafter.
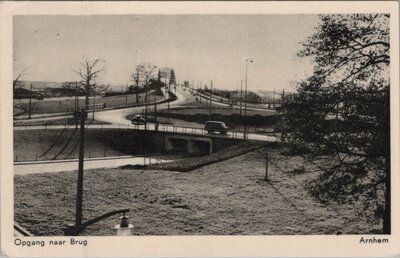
x,y
117,118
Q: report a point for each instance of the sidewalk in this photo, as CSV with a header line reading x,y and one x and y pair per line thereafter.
x,y
39,167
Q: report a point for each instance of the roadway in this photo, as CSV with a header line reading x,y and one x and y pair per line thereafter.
x,y
118,116
117,119
161,128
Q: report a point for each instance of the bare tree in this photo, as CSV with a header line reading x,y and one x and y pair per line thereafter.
x,y
18,78
135,76
89,72
25,108
147,74
142,77
18,75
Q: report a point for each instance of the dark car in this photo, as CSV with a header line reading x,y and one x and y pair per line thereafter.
x,y
216,126
39,97
138,119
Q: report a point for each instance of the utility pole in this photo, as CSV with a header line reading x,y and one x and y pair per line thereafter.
x,y
76,96
30,101
201,87
266,164
245,108
145,108
169,90
94,99
155,109
245,101
274,100
76,105
211,100
79,193
241,96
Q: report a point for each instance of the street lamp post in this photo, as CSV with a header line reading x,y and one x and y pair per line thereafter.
x,y
241,96
94,100
245,100
211,101
169,90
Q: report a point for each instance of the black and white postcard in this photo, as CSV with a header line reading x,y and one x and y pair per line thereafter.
x,y
199,129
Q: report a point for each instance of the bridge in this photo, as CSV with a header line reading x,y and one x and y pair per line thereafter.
x,y
253,133
193,141
190,144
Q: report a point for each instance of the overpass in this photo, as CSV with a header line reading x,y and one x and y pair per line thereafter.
x,y
252,134
191,140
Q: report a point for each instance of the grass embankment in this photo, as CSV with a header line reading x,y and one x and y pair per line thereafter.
x,y
190,164
218,110
48,144
224,198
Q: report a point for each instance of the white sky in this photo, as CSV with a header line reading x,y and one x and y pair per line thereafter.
x,y
197,47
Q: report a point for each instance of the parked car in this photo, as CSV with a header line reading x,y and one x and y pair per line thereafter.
x,y
138,119
39,97
216,126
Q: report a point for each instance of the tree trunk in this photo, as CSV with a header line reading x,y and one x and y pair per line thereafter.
x,y
387,212
87,96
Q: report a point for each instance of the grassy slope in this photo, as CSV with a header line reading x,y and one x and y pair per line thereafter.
x,y
218,110
43,144
223,198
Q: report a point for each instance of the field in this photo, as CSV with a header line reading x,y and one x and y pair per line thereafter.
x,y
67,104
224,198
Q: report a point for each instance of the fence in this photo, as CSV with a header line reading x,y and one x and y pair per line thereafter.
x,y
237,133
234,134
147,160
